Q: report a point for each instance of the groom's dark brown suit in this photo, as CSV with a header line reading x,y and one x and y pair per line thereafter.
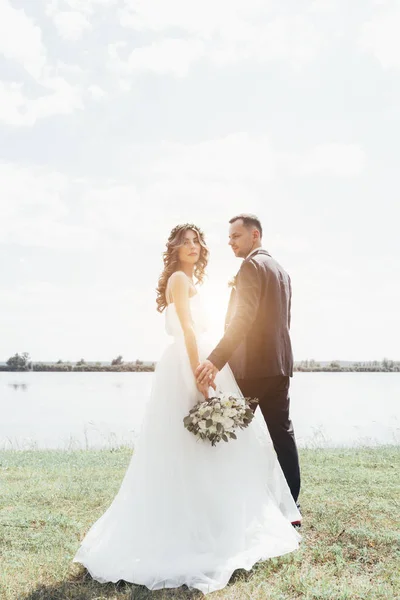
x,y
257,346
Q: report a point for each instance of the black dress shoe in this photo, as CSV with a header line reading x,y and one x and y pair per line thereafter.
x,y
296,524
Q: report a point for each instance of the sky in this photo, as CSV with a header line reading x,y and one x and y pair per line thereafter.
x,y
120,119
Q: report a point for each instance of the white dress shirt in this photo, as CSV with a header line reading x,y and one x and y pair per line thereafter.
x,y
253,252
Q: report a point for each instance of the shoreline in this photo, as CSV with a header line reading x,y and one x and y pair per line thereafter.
x,y
46,368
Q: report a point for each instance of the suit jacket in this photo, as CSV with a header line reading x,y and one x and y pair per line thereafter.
x,y
257,341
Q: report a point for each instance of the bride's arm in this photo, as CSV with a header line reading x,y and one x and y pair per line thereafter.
x,y
180,288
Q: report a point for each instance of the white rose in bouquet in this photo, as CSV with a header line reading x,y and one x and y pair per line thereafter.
x,y
228,423
230,412
217,418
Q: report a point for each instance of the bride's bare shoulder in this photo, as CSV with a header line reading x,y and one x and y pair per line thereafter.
x,y
178,275
178,279
177,284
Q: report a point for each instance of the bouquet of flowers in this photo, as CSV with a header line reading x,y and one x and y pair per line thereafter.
x,y
217,418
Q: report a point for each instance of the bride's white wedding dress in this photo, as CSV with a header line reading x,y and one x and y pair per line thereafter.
x,y
187,512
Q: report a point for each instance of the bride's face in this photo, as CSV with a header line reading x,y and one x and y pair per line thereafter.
x,y
190,249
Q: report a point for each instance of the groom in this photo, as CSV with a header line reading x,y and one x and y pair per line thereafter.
x,y
257,342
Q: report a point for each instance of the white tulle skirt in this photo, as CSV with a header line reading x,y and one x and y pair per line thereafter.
x,y
187,512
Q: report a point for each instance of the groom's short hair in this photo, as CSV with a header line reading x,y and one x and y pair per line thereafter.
x,y
249,221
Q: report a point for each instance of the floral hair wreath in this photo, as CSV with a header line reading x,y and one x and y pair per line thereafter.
x,y
185,226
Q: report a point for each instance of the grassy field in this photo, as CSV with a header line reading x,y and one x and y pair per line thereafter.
x,y
350,549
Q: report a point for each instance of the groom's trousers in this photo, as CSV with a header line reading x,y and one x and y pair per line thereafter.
x,y
274,402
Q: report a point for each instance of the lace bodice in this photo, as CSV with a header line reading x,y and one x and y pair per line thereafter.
x,y
172,324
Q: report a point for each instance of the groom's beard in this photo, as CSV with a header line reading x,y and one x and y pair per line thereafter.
x,y
238,253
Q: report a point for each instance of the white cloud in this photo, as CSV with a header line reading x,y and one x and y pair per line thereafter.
x,y
125,85
72,17
237,156
12,103
224,32
36,206
113,208
245,158
203,19
86,7
90,6
33,208
21,39
29,197
18,109
21,42
292,39
96,92
71,24
165,56
380,37
64,100
340,160
324,6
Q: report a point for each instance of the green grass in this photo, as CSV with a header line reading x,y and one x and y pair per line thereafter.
x,y
350,549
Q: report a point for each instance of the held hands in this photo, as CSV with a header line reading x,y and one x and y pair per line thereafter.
x,y
205,374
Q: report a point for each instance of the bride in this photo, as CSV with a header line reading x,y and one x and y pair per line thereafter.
x,y
187,512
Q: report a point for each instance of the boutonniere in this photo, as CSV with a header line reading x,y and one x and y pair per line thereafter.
x,y
232,282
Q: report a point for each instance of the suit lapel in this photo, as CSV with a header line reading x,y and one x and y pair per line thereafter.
x,y
231,305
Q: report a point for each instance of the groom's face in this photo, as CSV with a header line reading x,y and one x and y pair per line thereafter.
x,y
241,239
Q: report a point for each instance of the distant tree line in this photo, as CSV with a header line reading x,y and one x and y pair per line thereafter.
x,y
23,362
385,366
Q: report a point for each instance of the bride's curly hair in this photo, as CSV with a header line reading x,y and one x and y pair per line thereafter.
x,y
171,260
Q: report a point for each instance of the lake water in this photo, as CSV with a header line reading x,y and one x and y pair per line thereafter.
x,y
95,410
